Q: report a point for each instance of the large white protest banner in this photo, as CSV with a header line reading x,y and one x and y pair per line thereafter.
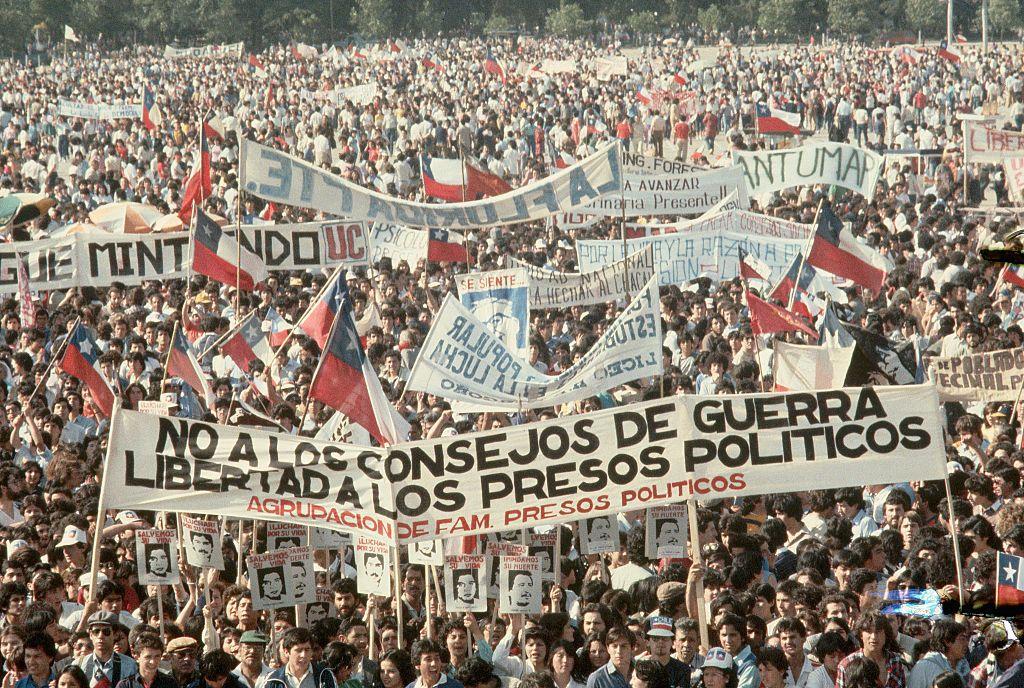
x,y
607,67
520,586
202,540
765,443
678,258
556,471
461,359
103,111
680,193
397,244
99,259
282,178
850,167
157,554
465,583
363,94
501,300
989,376
174,464
983,142
283,578
619,280
1014,168
222,50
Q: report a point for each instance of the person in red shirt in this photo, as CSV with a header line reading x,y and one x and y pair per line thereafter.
x,y
624,132
710,130
681,137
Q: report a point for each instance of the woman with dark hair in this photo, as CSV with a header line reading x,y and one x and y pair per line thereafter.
x,y
565,668
593,654
72,677
719,670
860,672
395,669
878,644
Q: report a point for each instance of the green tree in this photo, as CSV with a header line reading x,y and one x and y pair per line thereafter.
x,y
927,16
375,18
568,20
643,22
711,18
853,18
1004,15
785,17
497,22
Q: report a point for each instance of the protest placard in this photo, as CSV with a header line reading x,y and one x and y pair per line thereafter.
x,y
519,584
276,176
203,542
283,578
501,300
599,534
607,67
989,376
427,552
665,531
465,583
1014,168
176,464
542,548
285,535
373,563
330,539
319,610
157,554
842,164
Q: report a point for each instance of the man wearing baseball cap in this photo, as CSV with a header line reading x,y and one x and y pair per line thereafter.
x,y
660,634
1001,640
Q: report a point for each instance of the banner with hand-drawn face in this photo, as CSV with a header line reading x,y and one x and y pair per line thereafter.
x,y
282,578
319,610
156,552
519,584
599,534
373,564
666,531
202,542
465,583
426,552
284,536
542,546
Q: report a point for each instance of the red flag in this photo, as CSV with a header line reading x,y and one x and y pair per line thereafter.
x,y
318,319
199,185
766,318
493,66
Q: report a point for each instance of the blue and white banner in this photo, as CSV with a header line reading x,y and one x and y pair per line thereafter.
x,y
276,176
462,360
501,300
554,289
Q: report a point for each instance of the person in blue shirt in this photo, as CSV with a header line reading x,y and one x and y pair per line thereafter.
x,y
732,634
618,672
39,651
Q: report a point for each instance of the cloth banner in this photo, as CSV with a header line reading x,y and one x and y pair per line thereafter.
x,y
682,193
607,67
462,360
501,300
554,289
397,243
801,367
159,463
224,50
99,259
706,246
202,542
363,94
989,376
986,143
157,551
276,176
567,221
850,167
1014,169
283,578
552,67
104,111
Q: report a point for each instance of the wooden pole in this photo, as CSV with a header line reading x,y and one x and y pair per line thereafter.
x,y
953,531
702,621
101,511
803,256
399,611
53,359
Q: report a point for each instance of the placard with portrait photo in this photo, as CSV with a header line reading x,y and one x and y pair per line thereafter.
x,y
465,583
282,579
203,542
156,552
519,584
666,531
373,566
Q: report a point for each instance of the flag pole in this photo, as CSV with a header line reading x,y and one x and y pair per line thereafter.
x,y
803,256
170,352
702,622
53,359
238,251
312,303
953,529
101,509
625,245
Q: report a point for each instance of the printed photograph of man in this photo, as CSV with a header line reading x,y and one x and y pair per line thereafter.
x,y
271,582
520,590
466,588
202,544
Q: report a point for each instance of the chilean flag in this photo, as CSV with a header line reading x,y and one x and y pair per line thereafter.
x,y
181,362
644,96
443,178
199,185
257,67
444,246
81,360
836,250
766,318
248,343
482,184
494,66
317,320
1011,274
279,327
431,62
773,121
214,255
151,115
785,286
345,380
369,320
752,268
948,53
680,78
1010,585
214,128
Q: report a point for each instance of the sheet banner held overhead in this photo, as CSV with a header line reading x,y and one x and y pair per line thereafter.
x,y
989,376
102,111
460,359
680,193
282,178
986,143
1014,168
500,299
841,164
619,280
159,463
222,50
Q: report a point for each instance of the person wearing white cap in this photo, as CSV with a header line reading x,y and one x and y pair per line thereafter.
x,y
73,544
719,670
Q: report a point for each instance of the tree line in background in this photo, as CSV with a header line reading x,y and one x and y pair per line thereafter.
x,y
261,22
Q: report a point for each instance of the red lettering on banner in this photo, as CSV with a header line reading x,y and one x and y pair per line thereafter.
x,y
318,513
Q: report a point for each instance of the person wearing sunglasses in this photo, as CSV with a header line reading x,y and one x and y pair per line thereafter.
x,y
104,667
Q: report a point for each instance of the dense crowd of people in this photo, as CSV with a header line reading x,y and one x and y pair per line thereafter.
x,y
793,591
